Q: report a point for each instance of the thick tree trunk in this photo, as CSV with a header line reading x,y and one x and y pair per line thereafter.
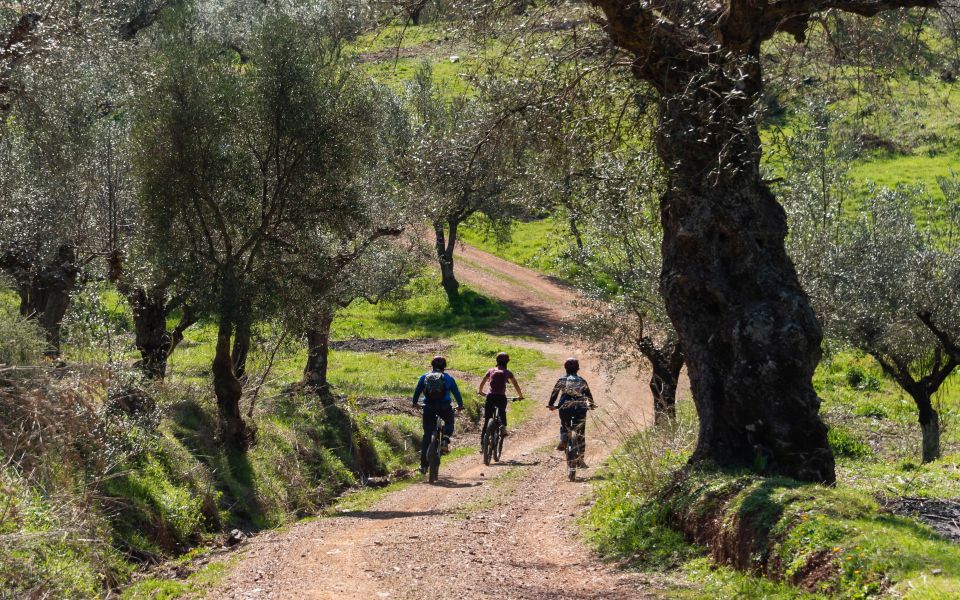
x,y
750,337
48,296
228,390
929,426
150,327
445,248
241,349
155,344
666,364
415,10
318,345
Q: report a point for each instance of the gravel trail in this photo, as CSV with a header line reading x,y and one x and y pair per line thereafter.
x,y
504,531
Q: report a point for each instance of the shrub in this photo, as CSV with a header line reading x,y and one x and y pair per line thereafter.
x,y
846,444
21,340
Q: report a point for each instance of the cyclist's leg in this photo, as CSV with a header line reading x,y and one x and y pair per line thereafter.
x,y
502,404
487,415
564,417
581,424
447,415
429,420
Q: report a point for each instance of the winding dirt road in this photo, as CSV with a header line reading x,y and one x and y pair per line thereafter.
x,y
504,531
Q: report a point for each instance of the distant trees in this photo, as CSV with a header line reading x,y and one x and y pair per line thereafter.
x,y
894,295
468,158
61,149
250,166
619,265
882,271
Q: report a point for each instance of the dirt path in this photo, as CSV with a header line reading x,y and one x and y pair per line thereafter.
x,y
504,531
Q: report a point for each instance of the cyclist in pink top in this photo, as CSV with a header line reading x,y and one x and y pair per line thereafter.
x,y
498,377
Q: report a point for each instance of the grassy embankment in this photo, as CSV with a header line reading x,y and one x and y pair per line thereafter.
x,y
164,486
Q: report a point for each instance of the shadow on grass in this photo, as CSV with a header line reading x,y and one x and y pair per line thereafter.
x,y
475,312
196,429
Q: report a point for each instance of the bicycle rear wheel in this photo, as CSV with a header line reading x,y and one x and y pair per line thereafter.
x,y
433,456
498,443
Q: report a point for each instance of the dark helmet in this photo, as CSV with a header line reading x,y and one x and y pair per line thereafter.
x,y
572,365
502,359
438,363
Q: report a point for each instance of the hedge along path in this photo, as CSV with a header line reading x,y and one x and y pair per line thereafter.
x,y
504,531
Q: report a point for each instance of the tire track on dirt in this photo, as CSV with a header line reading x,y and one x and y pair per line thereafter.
x,y
503,531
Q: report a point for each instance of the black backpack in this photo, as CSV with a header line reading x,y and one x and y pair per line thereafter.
x,y
434,387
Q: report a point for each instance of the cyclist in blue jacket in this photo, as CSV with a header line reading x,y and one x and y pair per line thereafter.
x,y
438,390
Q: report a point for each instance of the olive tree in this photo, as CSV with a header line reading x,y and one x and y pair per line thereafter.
x,y
751,339
375,271
892,293
246,163
467,159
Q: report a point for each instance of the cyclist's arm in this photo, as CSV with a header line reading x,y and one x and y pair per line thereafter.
x,y
483,382
516,385
418,390
588,394
554,394
456,392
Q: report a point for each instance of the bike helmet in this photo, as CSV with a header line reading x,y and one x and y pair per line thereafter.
x,y
438,363
502,359
572,365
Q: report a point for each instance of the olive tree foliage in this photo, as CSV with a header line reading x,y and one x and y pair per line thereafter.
x,y
249,165
893,294
882,279
65,198
467,158
619,264
372,273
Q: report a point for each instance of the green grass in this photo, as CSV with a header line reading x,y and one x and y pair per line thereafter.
x,y
160,588
534,244
423,314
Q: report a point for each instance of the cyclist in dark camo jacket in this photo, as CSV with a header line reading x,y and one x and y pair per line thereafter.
x,y
575,399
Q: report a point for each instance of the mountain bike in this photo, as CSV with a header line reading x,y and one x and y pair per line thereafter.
x,y
491,439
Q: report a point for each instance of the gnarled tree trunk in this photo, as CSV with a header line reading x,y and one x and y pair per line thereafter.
x,y
241,348
929,429
150,327
750,337
47,297
445,248
666,363
228,390
155,344
318,346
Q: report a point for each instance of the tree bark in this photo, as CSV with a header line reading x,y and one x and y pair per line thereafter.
x,y
750,337
155,344
228,390
318,346
150,328
241,348
47,297
445,248
666,364
929,425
